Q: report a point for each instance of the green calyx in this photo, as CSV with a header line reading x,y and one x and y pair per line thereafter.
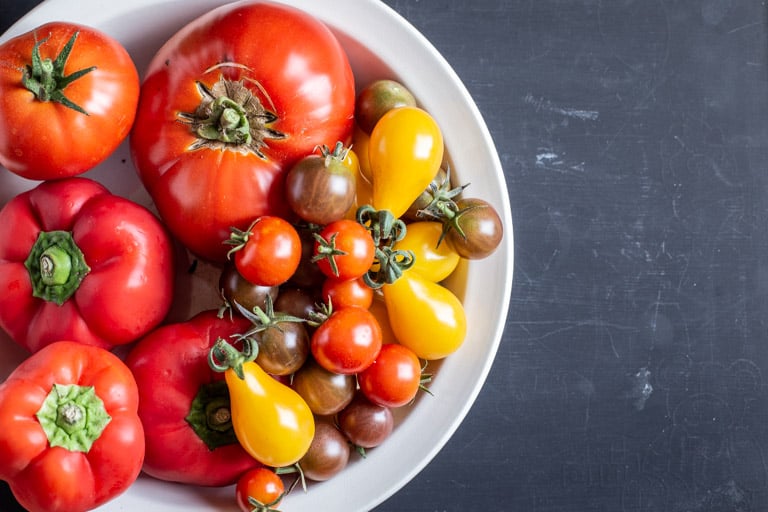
x,y
73,417
56,266
263,319
386,230
210,415
230,116
223,356
45,78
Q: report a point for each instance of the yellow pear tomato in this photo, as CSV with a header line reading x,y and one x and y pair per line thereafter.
x,y
405,152
272,422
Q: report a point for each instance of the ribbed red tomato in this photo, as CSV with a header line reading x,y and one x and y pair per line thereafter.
x,y
228,104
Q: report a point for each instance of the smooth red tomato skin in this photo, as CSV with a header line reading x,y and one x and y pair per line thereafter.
x,y
394,377
261,484
310,87
348,341
46,140
349,292
45,479
129,288
170,365
272,253
355,242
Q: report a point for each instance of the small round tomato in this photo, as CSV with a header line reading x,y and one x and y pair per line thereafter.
x,y
348,341
378,98
268,252
365,424
327,455
259,489
394,377
349,292
344,249
475,231
320,188
325,392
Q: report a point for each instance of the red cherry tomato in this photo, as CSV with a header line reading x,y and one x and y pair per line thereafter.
x,y
344,293
259,489
268,253
344,249
348,341
394,377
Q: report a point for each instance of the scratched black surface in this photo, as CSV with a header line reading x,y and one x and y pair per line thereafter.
x,y
634,139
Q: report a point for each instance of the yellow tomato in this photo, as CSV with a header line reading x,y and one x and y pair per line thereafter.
x,y
405,152
360,143
432,261
425,316
272,422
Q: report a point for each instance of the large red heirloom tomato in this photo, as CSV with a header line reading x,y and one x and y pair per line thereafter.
x,y
227,105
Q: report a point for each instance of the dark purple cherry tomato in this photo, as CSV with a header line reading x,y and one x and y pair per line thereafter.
x,y
327,455
364,423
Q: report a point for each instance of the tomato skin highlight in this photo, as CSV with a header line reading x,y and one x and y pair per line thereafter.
x,y
201,193
73,142
425,316
58,479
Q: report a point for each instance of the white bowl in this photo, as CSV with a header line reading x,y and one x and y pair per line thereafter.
x,y
380,44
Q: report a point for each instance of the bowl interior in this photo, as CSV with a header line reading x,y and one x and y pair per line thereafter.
x,y
380,44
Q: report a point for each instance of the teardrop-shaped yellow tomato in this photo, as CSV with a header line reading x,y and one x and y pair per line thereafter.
x,y
405,152
271,421
432,261
425,316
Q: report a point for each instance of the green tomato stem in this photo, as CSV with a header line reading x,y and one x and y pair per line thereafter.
x,y
223,356
46,79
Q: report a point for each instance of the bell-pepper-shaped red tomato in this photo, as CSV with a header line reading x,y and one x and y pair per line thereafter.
x,y
80,263
71,438
184,404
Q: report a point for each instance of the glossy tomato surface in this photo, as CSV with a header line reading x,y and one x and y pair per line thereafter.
x,y
298,93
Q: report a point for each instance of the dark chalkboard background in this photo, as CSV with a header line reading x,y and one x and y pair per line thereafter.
x,y
634,139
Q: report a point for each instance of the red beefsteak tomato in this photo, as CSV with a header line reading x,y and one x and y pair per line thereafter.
x,y
184,404
228,104
68,96
71,438
80,263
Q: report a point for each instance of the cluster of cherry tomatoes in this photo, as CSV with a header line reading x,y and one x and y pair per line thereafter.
x,y
344,302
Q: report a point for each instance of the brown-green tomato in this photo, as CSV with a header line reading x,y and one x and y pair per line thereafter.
x,y
379,97
364,423
328,453
476,230
234,288
325,392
